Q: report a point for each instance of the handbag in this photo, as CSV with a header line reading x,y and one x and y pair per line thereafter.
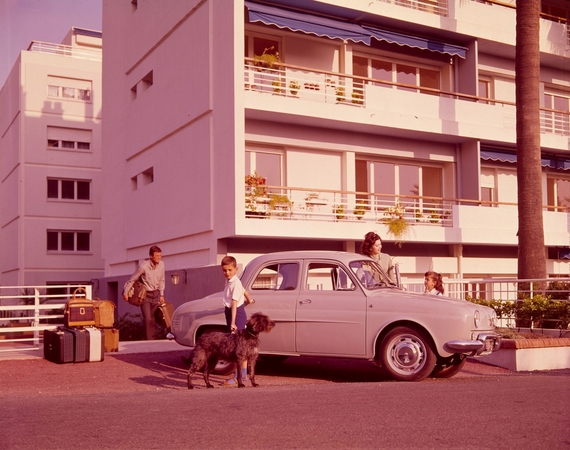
x,y
79,311
137,293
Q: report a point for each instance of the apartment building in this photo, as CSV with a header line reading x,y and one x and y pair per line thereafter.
x,y
244,127
50,163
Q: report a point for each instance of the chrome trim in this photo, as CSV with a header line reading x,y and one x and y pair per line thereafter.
x,y
476,347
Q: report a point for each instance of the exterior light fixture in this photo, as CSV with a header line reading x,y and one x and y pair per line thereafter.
x,y
175,278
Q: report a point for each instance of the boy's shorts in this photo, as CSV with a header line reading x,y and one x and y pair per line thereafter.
x,y
241,317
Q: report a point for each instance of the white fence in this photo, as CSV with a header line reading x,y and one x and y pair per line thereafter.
x,y
25,311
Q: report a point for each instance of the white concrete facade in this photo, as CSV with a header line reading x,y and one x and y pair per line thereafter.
x,y
187,118
50,163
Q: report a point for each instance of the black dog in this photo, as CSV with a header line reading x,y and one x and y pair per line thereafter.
x,y
236,347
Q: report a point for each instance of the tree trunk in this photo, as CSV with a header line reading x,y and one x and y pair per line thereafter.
x,y
531,251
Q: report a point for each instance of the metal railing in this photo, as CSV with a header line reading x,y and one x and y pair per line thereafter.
x,y
501,290
26,311
297,203
291,203
65,50
438,7
308,84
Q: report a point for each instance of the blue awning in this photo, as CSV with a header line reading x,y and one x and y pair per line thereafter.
x,y
416,42
545,161
488,155
339,29
307,23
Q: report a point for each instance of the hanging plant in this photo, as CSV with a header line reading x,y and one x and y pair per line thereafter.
x,y
294,87
360,209
395,221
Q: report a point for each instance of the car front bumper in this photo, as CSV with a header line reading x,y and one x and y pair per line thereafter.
x,y
485,344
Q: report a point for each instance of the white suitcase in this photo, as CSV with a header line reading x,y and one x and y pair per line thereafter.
x,y
96,344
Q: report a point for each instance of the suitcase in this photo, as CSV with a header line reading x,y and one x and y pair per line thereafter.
x,y
96,344
80,344
58,346
104,311
163,315
111,338
137,293
79,311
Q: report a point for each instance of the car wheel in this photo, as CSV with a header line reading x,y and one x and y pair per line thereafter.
x,y
406,354
448,367
273,359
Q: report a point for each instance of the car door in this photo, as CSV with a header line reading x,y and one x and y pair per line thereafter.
x,y
275,288
330,311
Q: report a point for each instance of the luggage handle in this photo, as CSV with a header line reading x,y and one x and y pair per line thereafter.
x,y
79,289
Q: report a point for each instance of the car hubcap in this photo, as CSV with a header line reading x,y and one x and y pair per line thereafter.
x,y
406,354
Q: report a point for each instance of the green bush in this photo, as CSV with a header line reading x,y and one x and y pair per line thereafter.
x,y
562,286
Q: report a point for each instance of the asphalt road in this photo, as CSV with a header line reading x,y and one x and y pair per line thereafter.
x,y
140,401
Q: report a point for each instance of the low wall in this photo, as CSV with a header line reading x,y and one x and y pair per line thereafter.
x,y
520,355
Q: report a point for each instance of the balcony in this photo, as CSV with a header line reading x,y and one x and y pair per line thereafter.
x,y
393,104
65,50
438,7
403,216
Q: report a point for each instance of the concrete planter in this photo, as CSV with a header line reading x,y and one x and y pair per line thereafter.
x,y
521,355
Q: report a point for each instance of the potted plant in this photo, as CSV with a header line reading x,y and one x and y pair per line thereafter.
x,y
357,98
338,211
340,94
395,221
294,87
256,189
280,205
277,85
360,209
267,59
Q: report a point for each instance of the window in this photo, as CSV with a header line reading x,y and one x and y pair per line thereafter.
x,y
556,122
68,189
277,277
69,88
394,179
385,70
68,138
488,176
68,241
142,179
328,277
266,164
558,193
485,86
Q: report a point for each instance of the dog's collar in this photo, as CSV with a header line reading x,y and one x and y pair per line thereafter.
x,y
251,332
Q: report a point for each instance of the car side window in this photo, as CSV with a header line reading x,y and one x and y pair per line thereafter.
x,y
277,277
328,277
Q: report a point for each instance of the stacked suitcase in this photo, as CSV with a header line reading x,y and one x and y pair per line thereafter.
x,y
87,332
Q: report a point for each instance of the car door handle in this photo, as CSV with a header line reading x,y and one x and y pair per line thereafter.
x,y
304,302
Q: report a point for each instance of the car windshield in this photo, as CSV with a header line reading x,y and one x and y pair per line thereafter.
x,y
370,274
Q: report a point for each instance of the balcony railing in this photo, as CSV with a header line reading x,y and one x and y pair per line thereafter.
x,y
307,84
438,7
294,203
65,50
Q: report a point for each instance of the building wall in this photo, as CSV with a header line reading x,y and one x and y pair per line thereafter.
x,y
199,121
32,116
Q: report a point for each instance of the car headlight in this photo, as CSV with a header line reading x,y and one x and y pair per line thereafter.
x,y
476,318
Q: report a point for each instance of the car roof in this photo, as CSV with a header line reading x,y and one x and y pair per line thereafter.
x,y
344,257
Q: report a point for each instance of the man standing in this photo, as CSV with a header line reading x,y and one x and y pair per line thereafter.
x,y
151,273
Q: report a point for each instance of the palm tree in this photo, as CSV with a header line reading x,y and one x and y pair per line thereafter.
x,y
531,251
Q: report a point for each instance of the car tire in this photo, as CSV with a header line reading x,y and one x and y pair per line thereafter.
x,y
406,354
448,367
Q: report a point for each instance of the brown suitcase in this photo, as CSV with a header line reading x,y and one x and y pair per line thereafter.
x,y
111,337
79,311
104,313
163,315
